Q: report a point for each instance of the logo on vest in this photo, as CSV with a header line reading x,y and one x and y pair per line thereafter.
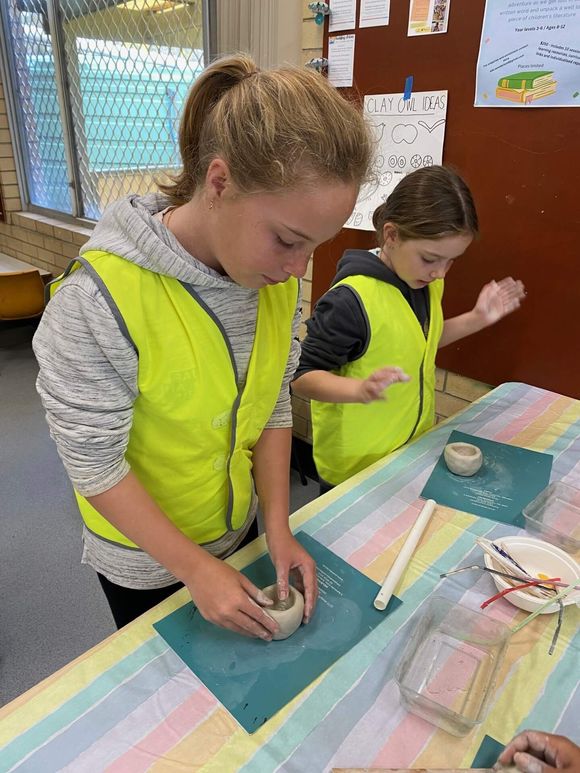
x,y
221,420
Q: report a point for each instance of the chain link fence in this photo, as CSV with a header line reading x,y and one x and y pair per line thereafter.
x,y
99,88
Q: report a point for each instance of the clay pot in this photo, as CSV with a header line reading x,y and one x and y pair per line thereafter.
x,y
463,458
288,613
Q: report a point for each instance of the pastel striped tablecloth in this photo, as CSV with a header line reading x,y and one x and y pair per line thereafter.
x,y
129,704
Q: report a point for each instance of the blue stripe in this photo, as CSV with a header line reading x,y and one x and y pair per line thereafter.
x,y
569,725
562,681
87,701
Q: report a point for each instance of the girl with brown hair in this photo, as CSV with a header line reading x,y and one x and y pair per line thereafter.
x,y
381,324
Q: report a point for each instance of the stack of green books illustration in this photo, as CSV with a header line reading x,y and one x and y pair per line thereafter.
x,y
526,86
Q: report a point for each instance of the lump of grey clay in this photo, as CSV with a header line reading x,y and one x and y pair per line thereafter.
x,y
288,613
463,458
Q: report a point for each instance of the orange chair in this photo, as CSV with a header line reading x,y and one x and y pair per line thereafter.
x,y
21,295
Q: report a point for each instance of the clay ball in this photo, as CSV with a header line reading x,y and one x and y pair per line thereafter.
x,y
288,613
463,458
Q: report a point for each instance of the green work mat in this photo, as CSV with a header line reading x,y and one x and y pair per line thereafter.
x,y
254,679
508,480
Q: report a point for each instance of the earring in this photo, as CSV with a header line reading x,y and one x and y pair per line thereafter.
x,y
211,204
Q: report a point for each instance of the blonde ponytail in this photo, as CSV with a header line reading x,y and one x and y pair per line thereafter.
x,y
274,128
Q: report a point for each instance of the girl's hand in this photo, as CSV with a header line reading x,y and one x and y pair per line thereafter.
x,y
535,752
288,556
227,598
497,299
372,388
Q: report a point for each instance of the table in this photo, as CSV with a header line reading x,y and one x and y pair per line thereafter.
x,y
9,264
129,704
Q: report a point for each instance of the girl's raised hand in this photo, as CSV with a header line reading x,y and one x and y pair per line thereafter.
x,y
497,299
372,388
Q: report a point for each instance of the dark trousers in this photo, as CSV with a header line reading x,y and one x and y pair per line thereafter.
x,y
324,487
128,603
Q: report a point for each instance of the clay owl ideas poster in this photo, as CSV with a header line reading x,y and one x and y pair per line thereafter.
x,y
409,134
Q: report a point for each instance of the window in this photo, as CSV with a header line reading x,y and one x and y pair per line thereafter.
x,y
98,87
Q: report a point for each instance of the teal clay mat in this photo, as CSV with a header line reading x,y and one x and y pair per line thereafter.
x,y
508,480
487,753
254,679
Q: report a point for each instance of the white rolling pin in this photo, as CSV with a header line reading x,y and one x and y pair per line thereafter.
x,y
402,560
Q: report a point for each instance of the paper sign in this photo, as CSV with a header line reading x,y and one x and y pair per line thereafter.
x,y
342,15
409,134
254,679
529,55
341,60
508,480
428,17
374,13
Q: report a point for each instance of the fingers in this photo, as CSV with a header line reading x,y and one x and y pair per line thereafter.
x,y
247,626
254,620
535,752
511,288
236,609
307,583
256,594
528,764
310,586
248,619
529,739
390,375
377,382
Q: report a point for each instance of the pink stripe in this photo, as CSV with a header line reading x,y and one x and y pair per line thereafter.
x,y
525,419
176,726
406,742
383,538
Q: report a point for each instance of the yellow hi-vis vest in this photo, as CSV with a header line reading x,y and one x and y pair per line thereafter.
x,y
193,430
348,437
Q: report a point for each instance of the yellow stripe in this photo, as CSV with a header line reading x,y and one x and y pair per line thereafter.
x,y
444,529
527,666
219,743
542,432
31,707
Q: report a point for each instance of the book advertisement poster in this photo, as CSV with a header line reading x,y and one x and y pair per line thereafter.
x,y
409,134
529,54
428,17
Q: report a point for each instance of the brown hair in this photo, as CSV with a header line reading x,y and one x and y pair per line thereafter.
x,y
274,128
428,204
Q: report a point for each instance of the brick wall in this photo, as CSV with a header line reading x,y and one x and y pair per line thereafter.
x,y
40,241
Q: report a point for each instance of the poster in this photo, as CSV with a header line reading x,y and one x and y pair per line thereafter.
x,y
341,60
529,55
342,15
409,134
508,480
254,679
428,17
374,13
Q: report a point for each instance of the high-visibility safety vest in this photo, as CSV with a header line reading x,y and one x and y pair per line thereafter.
x,y
193,429
348,437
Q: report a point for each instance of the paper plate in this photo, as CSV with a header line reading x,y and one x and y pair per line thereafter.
x,y
537,557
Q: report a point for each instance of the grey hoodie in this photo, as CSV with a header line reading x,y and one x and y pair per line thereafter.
x,y
88,369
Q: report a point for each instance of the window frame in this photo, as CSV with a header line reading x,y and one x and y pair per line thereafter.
x,y
15,119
